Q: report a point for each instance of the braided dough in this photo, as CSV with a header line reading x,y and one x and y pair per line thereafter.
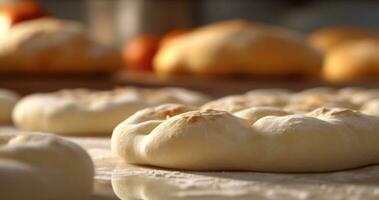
x,y
7,101
81,111
44,167
180,137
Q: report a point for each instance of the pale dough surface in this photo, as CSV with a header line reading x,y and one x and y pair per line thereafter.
x,y
88,112
298,102
7,101
43,167
180,137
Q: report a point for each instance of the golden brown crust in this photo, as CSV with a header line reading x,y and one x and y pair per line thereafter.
x,y
238,47
353,61
327,38
51,45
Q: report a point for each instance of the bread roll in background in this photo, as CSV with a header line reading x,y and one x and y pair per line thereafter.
x,y
53,45
327,38
354,61
238,47
139,52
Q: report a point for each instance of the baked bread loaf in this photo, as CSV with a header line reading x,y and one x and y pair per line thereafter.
x,y
81,111
172,137
327,38
353,61
238,47
44,167
53,45
7,101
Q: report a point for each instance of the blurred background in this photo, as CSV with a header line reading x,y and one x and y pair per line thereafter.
x,y
119,20
136,29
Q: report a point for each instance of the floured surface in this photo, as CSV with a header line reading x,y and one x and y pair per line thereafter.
x,y
133,182
140,182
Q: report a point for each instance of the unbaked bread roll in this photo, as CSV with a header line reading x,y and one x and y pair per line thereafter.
x,y
353,61
44,167
328,38
310,99
54,45
81,111
7,101
358,96
257,97
253,114
238,47
323,140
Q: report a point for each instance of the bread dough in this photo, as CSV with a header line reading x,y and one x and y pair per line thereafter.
x,y
7,101
310,99
358,96
44,167
257,97
355,61
53,45
298,102
81,111
318,141
238,47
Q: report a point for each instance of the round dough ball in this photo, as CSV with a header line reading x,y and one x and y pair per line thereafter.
x,y
236,103
217,140
44,167
175,95
310,99
354,61
253,98
52,45
238,47
7,101
81,111
328,38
